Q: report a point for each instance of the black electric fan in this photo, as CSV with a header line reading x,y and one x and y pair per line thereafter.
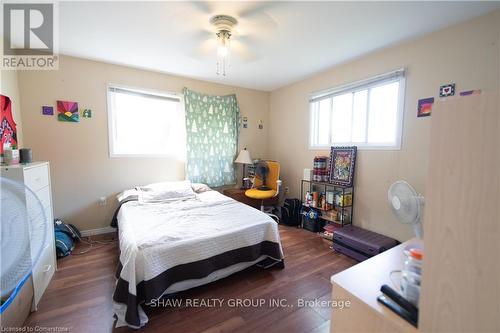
x,y
262,171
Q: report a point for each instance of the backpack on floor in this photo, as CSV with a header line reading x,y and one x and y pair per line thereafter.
x,y
65,236
290,212
64,244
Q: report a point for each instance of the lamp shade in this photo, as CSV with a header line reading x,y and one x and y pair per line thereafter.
x,y
244,157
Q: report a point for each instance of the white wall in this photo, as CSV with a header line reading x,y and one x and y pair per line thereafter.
x,y
467,54
81,168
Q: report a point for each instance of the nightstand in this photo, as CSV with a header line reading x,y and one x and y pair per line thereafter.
x,y
239,195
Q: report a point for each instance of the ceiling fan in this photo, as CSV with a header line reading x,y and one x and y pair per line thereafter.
x,y
237,31
224,26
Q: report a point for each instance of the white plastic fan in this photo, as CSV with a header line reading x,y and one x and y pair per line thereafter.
x,y
407,204
23,233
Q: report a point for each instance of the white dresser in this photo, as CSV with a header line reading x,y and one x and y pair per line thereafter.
x,y
36,176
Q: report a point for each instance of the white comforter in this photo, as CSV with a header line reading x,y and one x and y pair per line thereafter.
x,y
156,237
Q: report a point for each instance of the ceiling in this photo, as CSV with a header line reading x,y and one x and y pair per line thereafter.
x,y
275,43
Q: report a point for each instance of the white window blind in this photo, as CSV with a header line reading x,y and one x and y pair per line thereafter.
x,y
367,114
145,123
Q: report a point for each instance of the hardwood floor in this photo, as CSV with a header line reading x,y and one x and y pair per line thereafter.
x,y
79,297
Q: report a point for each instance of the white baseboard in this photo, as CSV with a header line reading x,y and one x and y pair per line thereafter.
x,y
99,231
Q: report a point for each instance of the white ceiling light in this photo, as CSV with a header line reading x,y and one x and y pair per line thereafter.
x,y
224,26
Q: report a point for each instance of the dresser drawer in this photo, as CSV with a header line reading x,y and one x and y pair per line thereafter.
x,y
40,231
36,178
44,195
42,273
35,207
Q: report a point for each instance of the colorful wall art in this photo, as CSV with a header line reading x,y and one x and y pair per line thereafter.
x,y
67,111
425,107
87,113
48,110
342,163
470,92
447,90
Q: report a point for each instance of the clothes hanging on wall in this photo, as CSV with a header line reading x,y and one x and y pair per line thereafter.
x,y
211,137
8,131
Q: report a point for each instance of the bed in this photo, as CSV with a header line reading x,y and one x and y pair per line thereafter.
x,y
174,242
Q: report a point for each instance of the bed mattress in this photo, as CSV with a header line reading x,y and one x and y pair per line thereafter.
x,y
169,247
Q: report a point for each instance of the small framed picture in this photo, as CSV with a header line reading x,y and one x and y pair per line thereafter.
x,y
48,110
447,90
425,107
87,113
470,92
342,163
68,111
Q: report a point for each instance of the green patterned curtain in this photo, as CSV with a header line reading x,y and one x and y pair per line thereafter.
x,y
212,128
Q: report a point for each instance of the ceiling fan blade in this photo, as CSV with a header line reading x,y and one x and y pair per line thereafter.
x,y
200,36
257,8
257,15
201,43
202,6
248,40
242,51
205,49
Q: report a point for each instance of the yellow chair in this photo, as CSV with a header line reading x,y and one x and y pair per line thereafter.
x,y
273,182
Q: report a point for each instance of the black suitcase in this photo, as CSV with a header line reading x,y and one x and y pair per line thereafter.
x,y
359,243
290,212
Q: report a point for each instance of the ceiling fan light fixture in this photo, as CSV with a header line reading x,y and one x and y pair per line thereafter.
x,y
223,25
223,39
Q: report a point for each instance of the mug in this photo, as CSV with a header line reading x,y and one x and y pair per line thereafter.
x,y
25,155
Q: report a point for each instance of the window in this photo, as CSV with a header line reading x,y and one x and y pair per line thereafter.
x,y
367,114
145,123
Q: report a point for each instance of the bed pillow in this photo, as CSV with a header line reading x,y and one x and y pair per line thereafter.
x,y
166,191
200,188
131,194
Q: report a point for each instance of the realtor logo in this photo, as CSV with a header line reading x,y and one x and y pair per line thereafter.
x,y
29,29
29,36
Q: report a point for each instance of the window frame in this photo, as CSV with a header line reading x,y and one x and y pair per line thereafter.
x,y
111,123
370,83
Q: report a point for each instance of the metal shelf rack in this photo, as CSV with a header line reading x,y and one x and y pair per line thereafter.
x,y
345,212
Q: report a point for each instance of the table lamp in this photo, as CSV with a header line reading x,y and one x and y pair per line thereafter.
x,y
243,158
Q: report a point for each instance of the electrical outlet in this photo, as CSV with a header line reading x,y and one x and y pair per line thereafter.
x,y
102,201
287,189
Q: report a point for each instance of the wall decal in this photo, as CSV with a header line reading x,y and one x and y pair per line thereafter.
x,y
447,90
424,108
470,92
48,110
87,113
245,122
67,111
